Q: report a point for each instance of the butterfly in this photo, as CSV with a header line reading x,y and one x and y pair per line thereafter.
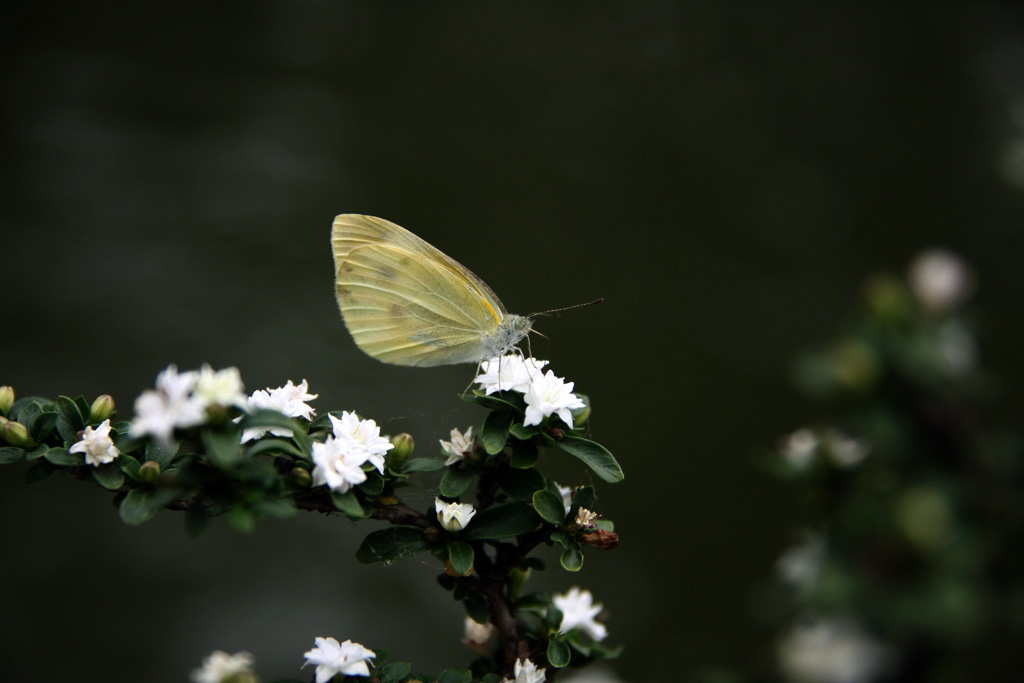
x,y
405,302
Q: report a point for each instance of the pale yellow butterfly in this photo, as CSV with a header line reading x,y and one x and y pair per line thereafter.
x,y
405,302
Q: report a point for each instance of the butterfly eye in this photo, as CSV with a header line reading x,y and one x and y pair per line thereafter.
x,y
522,323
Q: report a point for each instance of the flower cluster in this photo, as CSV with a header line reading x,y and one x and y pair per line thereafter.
x,y
182,400
338,461
545,393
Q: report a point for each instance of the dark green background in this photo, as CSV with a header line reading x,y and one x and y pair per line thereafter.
x,y
724,174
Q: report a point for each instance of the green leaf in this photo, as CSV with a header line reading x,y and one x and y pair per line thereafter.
x,y
64,458
160,453
596,456
140,506
520,484
559,654
423,465
349,504
393,543
269,419
494,433
455,676
37,453
572,558
274,447
374,484
394,672
584,497
521,432
67,408
462,556
224,449
28,414
84,408
493,402
456,481
501,521
39,471
129,465
108,476
524,455
64,427
44,426
549,506
9,454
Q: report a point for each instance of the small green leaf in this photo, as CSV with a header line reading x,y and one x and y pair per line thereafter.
x,y
520,484
559,654
494,433
422,465
455,676
27,414
64,427
584,497
493,402
224,449
160,453
37,453
549,506
521,432
67,408
39,471
572,558
501,521
374,484
140,506
524,455
596,456
44,426
349,504
84,408
129,465
456,481
393,543
462,556
394,672
274,447
9,454
108,476
64,458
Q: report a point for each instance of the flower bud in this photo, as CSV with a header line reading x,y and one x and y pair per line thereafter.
x,y
16,434
102,408
600,539
403,447
301,477
149,472
556,433
581,419
453,516
6,399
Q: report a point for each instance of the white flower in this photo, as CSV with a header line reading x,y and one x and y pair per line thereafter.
x,y
289,400
514,372
800,565
458,447
97,445
453,516
798,448
846,451
831,651
337,464
566,493
586,519
171,405
219,387
940,280
477,633
332,658
362,436
578,612
548,395
220,665
526,672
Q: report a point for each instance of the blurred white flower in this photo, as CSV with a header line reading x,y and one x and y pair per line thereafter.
x,y
846,451
97,445
332,658
477,633
158,412
337,464
526,672
798,448
940,280
579,612
458,447
566,493
363,436
831,651
514,372
547,395
800,565
289,400
453,516
219,387
220,667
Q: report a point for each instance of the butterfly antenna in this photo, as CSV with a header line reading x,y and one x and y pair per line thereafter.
x,y
567,308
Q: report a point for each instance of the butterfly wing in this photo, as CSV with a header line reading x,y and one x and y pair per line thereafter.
x,y
404,301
